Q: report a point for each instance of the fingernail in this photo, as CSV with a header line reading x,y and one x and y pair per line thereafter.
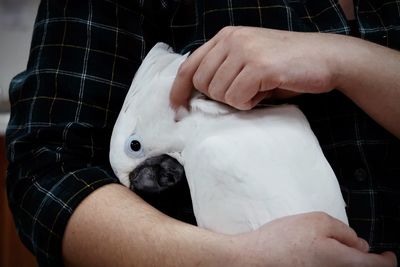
x,y
180,113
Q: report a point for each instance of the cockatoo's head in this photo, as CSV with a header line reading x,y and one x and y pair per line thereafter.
x,y
146,125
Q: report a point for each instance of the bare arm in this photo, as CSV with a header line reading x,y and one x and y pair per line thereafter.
x,y
369,75
114,227
275,63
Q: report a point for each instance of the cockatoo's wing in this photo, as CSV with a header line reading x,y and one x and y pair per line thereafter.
x,y
261,165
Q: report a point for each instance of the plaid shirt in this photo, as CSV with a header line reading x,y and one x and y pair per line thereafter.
x,y
82,60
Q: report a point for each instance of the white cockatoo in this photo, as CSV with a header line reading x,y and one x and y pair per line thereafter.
x,y
244,168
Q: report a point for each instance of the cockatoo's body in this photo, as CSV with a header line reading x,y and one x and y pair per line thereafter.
x,y
244,168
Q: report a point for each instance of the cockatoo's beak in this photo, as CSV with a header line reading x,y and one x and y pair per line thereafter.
x,y
177,156
156,174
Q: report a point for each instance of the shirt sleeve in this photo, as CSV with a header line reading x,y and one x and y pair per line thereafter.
x,y
83,57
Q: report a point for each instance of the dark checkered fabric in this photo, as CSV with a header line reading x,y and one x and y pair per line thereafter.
x,y
83,57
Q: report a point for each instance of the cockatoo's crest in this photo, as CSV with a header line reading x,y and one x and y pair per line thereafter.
x,y
160,63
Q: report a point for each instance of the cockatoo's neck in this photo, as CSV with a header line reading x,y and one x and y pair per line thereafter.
x,y
202,119
193,128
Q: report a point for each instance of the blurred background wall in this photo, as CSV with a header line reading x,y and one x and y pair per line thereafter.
x,y
16,25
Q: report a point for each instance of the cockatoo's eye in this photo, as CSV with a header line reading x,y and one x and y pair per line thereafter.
x,y
133,146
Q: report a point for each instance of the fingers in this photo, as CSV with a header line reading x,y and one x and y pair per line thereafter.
x,y
225,72
247,89
352,250
206,70
183,85
210,65
339,254
242,90
341,232
386,259
223,78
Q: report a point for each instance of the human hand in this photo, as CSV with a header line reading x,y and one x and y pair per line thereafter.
x,y
240,66
311,239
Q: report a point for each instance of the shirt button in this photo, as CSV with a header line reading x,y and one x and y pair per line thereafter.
x,y
360,174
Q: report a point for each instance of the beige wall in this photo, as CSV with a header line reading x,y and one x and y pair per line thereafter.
x,y
16,25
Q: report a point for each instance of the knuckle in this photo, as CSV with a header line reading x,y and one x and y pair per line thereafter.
x,y
237,31
353,234
321,215
326,219
239,34
198,82
227,30
232,34
215,91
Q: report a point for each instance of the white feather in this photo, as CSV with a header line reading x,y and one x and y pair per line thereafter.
x,y
244,168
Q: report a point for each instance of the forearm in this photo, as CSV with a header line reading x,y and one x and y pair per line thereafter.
x,y
369,75
114,227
